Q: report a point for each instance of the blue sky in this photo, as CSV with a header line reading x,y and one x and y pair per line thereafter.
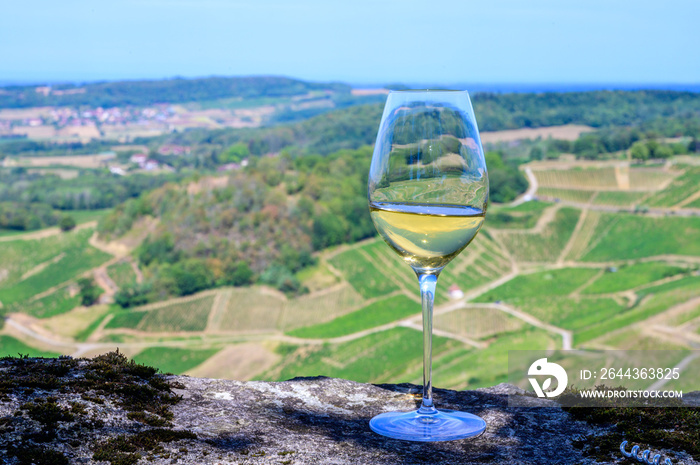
x,y
363,41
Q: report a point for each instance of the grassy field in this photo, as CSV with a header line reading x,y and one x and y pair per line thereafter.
x,y
626,236
60,259
376,314
366,277
173,360
83,216
13,347
122,273
11,232
546,245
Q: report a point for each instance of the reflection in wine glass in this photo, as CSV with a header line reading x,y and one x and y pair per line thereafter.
x,y
428,191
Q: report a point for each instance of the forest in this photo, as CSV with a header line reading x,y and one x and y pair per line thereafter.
x,y
144,93
262,227
32,200
621,117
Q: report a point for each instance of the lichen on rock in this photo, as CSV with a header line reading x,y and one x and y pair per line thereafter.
x,y
109,410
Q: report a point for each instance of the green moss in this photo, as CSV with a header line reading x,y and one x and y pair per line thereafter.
x,y
128,449
138,389
36,455
146,419
47,412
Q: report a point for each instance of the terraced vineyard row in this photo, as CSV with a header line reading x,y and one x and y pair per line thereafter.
x,y
680,188
545,245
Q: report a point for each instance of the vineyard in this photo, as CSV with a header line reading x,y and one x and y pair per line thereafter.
x,y
320,308
620,198
35,266
252,310
377,313
362,274
546,244
538,269
621,177
622,236
477,322
680,188
631,276
571,195
188,315
122,273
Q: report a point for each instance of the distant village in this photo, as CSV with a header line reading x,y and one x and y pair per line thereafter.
x,y
14,123
126,122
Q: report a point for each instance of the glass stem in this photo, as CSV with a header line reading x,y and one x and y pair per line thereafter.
x,y
427,291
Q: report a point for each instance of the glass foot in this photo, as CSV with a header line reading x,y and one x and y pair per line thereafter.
x,y
445,425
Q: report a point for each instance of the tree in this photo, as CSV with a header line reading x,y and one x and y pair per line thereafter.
x,y
282,278
328,230
237,274
89,292
663,151
190,276
694,145
505,181
159,250
235,153
133,295
66,223
639,151
536,153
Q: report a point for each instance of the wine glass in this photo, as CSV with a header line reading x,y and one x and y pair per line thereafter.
x,y
428,190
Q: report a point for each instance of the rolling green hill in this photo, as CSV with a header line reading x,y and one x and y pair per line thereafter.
x,y
144,93
275,269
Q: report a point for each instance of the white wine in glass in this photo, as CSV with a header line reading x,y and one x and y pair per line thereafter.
x,y
428,190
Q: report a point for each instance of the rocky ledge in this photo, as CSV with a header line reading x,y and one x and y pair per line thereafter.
x,y
109,410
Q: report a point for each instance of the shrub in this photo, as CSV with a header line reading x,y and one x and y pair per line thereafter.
x,y
89,292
